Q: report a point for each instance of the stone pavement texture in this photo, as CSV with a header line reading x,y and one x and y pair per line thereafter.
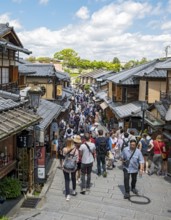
x,y
104,201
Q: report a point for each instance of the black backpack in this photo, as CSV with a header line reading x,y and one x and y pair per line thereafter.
x,y
102,146
125,144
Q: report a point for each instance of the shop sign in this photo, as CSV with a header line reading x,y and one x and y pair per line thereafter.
x,y
41,172
24,141
40,153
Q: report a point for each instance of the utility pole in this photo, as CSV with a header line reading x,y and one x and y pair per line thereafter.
x,y
166,50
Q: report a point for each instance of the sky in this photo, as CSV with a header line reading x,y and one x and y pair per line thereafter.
x,y
95,29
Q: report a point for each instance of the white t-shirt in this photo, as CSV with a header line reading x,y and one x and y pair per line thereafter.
x,y
87,156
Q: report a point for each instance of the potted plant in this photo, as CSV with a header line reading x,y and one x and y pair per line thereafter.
x,y
10,188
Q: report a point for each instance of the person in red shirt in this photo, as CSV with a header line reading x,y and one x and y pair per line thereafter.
x,y
158,147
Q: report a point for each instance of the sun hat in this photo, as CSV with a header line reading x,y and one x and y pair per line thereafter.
x,y
77,139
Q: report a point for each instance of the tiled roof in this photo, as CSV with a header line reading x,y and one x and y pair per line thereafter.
x,y
15,120
102,74
62,75
24,69
9,95
11,46
109,74
161,109
47,111
93,73
127,110
4,28
157,74
126,76
41,70
6,104
165,64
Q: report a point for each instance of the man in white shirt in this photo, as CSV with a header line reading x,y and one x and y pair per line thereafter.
x,y
87,152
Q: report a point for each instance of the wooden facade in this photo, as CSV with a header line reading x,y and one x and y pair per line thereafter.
x,y
150,90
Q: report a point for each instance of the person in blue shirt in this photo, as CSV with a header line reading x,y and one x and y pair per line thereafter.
x,y
131,166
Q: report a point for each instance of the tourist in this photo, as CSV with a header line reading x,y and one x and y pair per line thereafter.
x,y
132,158
87,151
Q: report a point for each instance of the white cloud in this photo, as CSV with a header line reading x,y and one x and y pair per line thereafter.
x,y
5,18
102,36
43,2
166,25
83,13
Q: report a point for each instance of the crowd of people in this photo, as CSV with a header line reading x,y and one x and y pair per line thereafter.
x,y
83,141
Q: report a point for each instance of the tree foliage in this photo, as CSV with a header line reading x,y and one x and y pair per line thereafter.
x,y
116,61
133,63
71,60
31,59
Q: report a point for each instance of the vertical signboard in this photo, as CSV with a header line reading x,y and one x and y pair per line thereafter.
x,y
40,153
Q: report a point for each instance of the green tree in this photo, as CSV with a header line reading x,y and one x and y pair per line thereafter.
x,y
68,56
44,59
31,59
129,64
116,61
143,60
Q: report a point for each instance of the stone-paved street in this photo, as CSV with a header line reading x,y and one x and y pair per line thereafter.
x,y
104,201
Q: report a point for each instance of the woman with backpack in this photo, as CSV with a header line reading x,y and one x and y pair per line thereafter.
x,y
71,155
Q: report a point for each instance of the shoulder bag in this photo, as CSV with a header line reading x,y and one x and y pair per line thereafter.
x,y
127,162
70,162
89,150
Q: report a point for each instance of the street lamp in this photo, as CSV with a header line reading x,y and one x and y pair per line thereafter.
x,y
143,109
34,94
34,97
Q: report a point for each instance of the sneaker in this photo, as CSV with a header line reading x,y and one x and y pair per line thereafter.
x,y
88,189
104,174
135,191
126,196
113,166
68,198
83,191
74,193
78,181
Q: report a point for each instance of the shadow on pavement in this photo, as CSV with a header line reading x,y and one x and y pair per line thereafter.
x,y
121,187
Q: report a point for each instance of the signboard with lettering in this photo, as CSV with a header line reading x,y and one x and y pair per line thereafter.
x,y
24,140
40,154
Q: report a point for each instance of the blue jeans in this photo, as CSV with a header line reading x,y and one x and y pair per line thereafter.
x,y
86,170
67,181
101,159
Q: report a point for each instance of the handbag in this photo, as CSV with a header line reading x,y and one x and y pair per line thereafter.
x,y
70,162
163,155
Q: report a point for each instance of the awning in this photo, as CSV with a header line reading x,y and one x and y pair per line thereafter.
x,y
103,105
167,134
127,110
15,120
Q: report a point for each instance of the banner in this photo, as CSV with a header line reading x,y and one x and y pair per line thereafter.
x,y
40,153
